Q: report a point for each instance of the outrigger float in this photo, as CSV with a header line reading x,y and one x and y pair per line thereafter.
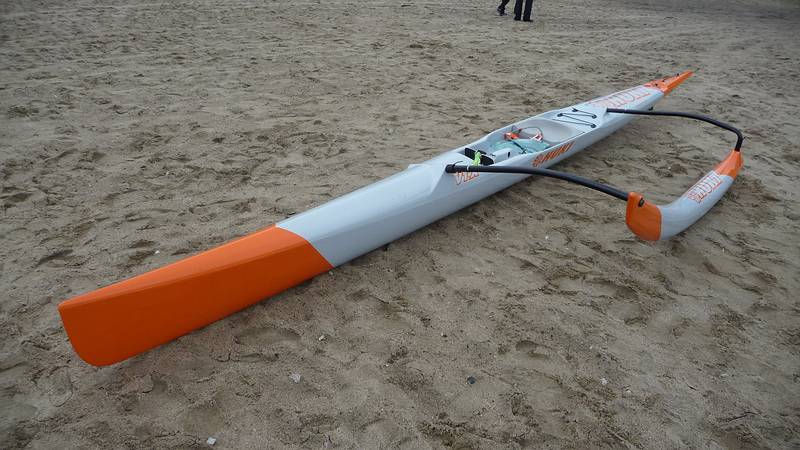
x,y
124,319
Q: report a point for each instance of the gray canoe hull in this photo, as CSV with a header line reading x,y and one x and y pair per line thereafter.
x,y
375,215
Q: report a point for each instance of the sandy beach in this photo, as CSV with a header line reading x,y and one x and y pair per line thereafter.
x,y
134,134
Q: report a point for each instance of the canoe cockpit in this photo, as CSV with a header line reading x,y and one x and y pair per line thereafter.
x,y
532,135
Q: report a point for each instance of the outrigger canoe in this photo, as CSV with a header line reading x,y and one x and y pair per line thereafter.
x,y
124,319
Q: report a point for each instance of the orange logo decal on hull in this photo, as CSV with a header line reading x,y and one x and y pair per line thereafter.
x,y
621,98
463,177
556,152
704,187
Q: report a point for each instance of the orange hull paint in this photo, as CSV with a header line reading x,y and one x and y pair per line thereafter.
x,y
116,322
730,165
644,220
666,85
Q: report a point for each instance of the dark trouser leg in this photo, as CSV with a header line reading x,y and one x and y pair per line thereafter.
x,y
502,7
528,7
518,9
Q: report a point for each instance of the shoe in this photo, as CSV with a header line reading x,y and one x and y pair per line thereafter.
x,y
516,18
501,11
527,20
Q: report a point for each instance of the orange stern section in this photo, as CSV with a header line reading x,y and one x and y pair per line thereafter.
x,y
122,320
667,84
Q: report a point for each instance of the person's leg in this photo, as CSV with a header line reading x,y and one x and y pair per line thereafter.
x,y
528,7
518,9
502,8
